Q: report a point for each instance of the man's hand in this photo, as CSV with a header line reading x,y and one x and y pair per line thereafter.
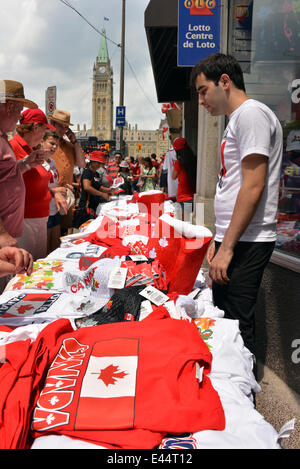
x,y
219,264
106,195
71,136
15,261
36,158
60,201
7,240
211,252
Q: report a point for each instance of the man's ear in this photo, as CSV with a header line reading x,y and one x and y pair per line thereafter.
x,y
225,81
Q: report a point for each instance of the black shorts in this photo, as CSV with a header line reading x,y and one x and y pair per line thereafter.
x,y
163,179
53,221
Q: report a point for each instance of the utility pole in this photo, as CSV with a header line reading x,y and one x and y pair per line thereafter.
x,y
122,72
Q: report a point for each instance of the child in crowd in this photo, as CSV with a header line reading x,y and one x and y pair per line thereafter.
x,y
50,142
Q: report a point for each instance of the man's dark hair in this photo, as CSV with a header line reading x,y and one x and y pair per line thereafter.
x,y
213,67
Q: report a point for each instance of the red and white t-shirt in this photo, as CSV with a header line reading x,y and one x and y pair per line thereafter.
x,y
108,384
252,129
38,195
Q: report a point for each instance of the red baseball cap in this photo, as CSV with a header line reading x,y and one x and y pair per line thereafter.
x,y
98,156
179,143
35,115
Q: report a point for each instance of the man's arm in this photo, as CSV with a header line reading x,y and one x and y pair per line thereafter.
x,y
87,186
254,172
79,155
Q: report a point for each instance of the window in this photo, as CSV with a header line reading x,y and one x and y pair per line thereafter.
x,y
266,41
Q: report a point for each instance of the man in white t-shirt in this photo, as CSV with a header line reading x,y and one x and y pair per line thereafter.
x,y
246,197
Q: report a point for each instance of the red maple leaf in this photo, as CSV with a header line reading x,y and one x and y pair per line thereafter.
x,y
22,309
110,374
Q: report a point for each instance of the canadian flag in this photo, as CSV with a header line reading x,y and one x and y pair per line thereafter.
x,y
107,396
167,106
164,130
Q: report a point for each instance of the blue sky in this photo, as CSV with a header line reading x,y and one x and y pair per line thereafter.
x,y
46,43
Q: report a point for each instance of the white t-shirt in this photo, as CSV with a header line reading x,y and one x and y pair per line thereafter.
x,y
168,165
252,128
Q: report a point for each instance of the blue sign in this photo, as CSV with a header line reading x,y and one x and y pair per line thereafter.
x,y
121,111
120,122
199,24
120,116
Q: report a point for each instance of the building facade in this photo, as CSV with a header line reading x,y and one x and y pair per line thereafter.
x,y
145,142
102,97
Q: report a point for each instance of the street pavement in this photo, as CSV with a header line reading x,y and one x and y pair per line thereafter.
x,y
278,404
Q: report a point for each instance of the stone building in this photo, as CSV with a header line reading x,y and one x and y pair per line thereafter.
x,y
145,142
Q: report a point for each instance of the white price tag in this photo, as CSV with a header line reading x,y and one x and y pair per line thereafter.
x,y
194,293
199,372
138,257
117,278
154,295
286,429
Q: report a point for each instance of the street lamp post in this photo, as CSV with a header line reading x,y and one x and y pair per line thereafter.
x,y
122,72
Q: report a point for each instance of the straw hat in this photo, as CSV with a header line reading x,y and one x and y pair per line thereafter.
x,y
62,117
14,91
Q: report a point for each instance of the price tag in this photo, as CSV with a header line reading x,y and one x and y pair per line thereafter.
x,y
193,294
154,295
199,372
117,278
138,257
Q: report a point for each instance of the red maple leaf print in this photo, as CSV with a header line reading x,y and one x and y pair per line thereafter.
x,y
110,374
22,309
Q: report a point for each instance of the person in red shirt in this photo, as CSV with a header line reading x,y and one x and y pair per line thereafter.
x,y
113,166
29,134
134,174
185,169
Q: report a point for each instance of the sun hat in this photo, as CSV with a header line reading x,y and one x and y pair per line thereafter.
x,y
14,91
62,117
35,115
98,156
179,143
124,164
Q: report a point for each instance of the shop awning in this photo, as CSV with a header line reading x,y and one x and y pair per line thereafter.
x,y
172,82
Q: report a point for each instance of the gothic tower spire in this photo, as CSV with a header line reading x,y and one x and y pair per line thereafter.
x,y
102,119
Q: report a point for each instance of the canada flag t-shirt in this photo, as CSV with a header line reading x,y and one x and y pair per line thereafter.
x,y
110,384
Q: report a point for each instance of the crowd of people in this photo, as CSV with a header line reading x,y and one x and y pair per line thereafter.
x,y
49,185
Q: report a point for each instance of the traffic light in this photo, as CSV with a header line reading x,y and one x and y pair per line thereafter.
x,y
139,146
